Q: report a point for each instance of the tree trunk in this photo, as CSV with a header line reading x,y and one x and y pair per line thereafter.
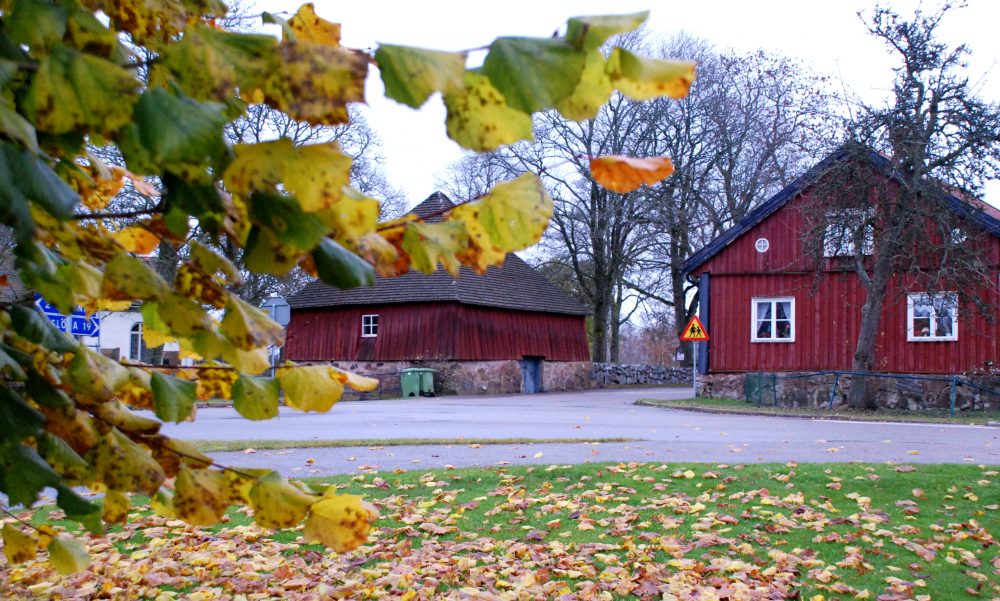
x,y
599,340
858,395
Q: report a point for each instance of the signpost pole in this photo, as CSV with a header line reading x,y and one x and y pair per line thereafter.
x,y
694,369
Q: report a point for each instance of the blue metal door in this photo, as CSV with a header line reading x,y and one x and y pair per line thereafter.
x,y
531,375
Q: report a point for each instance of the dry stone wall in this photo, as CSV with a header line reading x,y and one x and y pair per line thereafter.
x,y
504,377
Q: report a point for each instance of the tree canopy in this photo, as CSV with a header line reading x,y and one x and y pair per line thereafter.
x,y
160,82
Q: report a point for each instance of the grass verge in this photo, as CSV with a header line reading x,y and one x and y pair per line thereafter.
x,y
210,446
613,531
740,406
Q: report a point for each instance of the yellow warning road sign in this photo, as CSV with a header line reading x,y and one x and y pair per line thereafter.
x,y
694,331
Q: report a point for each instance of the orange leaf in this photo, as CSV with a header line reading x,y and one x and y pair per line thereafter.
x,y
138,239
624,174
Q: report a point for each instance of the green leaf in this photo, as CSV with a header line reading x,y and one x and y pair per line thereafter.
x,y
75,92
94,376
36,181
179,134
201,496
24,474
339,267
18,129
411,75
36,24
310,387
427,244
9,368
18,546
208,63
45,394
68,555
123,465
129,278
479,118
591,92
278,504
533,74
643,78
173,398
17,419
29,324
256,398
590,33
63,459
80,510
182,317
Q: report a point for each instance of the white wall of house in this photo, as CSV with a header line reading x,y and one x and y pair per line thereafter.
x,y
116,333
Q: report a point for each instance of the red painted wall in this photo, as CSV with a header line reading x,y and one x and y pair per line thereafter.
x,y
434,331
827,318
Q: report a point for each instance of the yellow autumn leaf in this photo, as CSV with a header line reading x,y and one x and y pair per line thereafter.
x,y
18,546
278,504
68,555
310,387
314,82
137,239
623,174
162,503
429,244
116,504
310,27
479,118
512,216
351,217
642,78
591,92
248,362
242,481
247,327
341,522
200,496
129,278
121,464
215,383
314,174
355,381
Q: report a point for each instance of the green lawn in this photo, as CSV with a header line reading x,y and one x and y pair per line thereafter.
x,y
621,531
742,406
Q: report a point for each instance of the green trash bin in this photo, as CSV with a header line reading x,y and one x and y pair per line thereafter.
x,y
409,381
417,381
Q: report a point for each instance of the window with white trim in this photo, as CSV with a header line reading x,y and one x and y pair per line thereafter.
x,y
369,325
772,319
932,317
137,345
844,229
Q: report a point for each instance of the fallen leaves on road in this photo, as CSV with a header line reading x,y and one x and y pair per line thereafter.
x,y
588,532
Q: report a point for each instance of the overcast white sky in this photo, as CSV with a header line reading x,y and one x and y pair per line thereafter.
x,y
826,35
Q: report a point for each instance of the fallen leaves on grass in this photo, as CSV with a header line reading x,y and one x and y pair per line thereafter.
x,y
644,531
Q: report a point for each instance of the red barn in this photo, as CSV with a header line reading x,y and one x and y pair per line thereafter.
x,y
768,310
506,330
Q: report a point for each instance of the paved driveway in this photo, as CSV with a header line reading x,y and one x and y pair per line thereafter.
x,y
662,434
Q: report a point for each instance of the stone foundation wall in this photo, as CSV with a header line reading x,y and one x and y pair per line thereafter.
x,y
890,393
504,377
615,374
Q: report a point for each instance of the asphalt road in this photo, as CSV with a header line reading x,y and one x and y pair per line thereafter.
x,y
662,435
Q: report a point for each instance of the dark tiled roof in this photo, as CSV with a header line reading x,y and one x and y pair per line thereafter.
x,y
978,212
514,285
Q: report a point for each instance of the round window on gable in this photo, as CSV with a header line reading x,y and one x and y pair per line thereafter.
x,y
762,245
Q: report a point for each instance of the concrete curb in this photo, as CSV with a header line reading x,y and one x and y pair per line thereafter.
x,y
842,418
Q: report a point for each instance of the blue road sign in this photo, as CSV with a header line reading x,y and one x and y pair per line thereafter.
x,y
77,324
84,326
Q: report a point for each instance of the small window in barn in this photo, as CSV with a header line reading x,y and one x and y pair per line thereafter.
x,y
932,317
845,230
369,326
773,320
137,346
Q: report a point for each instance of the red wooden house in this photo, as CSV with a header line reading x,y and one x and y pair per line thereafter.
x,y
768,311
506,330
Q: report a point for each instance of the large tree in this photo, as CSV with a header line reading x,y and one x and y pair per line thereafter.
x,y
897,212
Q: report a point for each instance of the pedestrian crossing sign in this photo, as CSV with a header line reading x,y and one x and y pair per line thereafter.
x,y
694,331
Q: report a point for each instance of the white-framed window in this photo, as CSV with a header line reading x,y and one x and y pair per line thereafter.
x,y
844,229
137,346
369,325
772,319
932,317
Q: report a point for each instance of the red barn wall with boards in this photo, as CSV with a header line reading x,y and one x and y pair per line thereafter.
x,y
732,272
